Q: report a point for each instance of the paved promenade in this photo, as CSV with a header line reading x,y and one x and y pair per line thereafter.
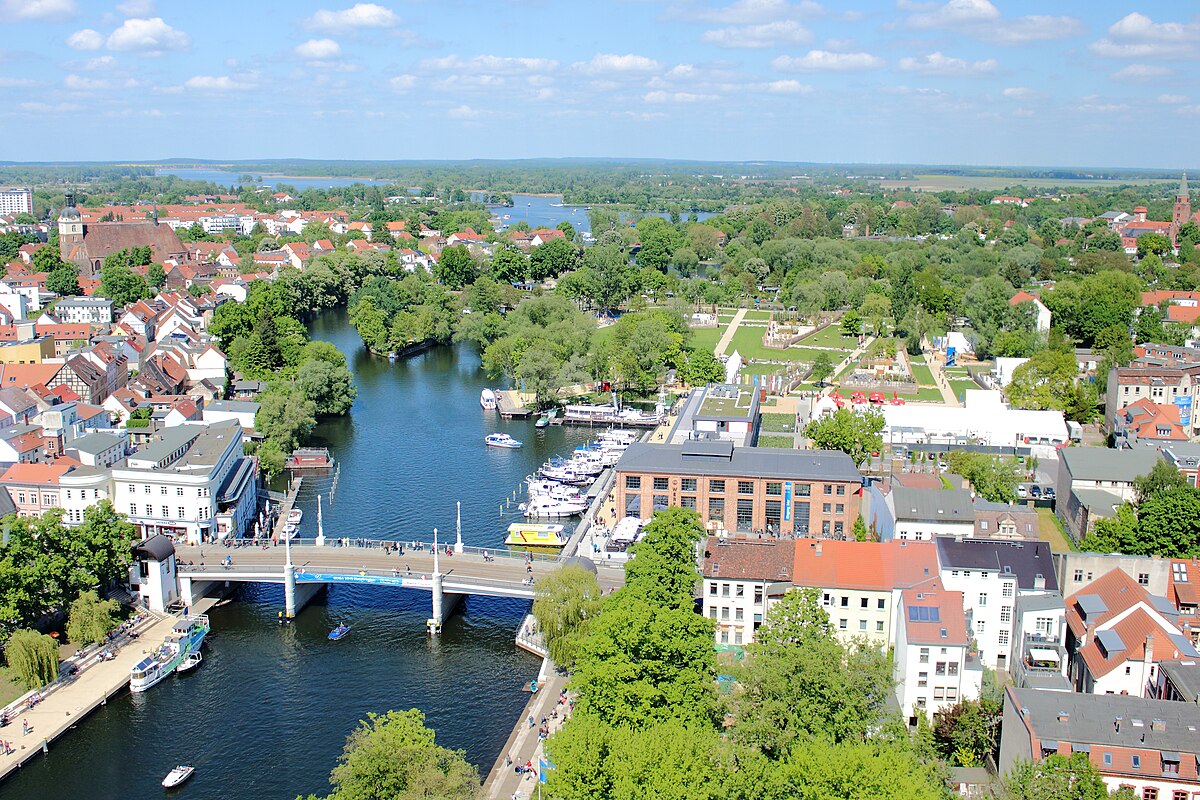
x,y
68,702
523,743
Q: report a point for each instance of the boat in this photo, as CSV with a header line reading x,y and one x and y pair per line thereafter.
x,y
186,637
531,534
178,776
294,516
553,490
339,632
542,422
487,399
310,458
549,508
501,440
190,662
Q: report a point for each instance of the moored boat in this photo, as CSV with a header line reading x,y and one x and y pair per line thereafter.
x,y
549,508
186,637
501,440
190,662
487,399
178,776
534,535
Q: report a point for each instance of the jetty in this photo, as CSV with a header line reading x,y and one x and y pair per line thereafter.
x,y
510,405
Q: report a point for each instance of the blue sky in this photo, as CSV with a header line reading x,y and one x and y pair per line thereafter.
x,y
1093,83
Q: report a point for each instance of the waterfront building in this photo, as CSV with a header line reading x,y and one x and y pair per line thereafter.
x,y
801,492
1149,746
992,574
934,666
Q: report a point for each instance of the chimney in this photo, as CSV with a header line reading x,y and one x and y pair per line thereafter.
x,y
818,548
1150,649
1039,582
1083,639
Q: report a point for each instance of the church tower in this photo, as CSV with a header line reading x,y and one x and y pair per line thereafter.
x,y
1183,207
70,227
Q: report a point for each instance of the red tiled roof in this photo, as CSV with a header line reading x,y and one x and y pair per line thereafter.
x,y
1119,593
950,628
35,474
748,559
863,565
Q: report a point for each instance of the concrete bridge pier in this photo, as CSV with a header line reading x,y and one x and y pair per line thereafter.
x,y
443,604
296,597
190,590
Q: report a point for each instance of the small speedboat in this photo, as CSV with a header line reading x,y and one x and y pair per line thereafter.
x,y
190,662
178,776
501,440
339,632
295,515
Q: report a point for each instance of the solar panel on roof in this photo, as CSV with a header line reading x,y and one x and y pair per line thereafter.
x,y
924,614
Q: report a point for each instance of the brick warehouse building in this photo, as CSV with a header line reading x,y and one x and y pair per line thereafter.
x,y
801,492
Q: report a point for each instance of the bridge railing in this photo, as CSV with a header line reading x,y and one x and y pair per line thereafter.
x,y
350,542
216,570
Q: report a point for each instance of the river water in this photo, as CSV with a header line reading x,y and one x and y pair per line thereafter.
x,y
266,714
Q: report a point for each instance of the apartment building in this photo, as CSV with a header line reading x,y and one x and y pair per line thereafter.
x,y
934,668
741,580
801,492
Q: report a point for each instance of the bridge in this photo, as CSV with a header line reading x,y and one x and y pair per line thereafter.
x,y
304,567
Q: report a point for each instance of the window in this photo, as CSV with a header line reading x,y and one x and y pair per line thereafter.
x,y
924,657
659,502
1003,638
662,484
842,624
952,668
633,481
712,589
745,513
839,528
841,490
1007,591
1179,794
951,693
687,501
863,602
147,488
724,612
827,508
983,598
774,488
862,624
182,512
922,679
921,702
1079,577
716,508
845,602
983,525
739,590
829,488
1170,767
179,491
1137,762
758,595
724,637
881,604
166,512
803,489
712,612
1006,613
162,490
1144,580
1107,756
879,626
745,487
800,516
687,484
774,513
939,668
825,527
737,614
724,590
979,626
737,637
716,487
1150,793
840,508
939,693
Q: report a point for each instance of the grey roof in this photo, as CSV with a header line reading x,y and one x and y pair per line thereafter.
x,y
167,442
1091,719
1039,602
1110,640
1091,604
233,406
1184,676
1103,464
1182,454
1003,508
722,458
1099,502
933,505
157,547
1023,560
85,302
95,443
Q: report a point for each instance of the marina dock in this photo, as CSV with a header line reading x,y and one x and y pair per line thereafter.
x,y
69,700
510,405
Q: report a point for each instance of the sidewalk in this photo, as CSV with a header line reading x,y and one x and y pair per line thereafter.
x,y
503,783
727,337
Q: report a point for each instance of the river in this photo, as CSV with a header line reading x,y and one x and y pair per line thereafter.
x,y
266,714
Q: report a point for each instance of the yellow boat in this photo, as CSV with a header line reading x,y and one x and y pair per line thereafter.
x,y
532,535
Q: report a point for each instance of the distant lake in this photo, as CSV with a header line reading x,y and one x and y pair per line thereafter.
x,y
224,178
547,211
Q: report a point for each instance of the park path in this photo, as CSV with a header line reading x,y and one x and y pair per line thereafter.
x,y
727,337
937,367
523,744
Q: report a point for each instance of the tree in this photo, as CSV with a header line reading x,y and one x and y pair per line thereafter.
x,y
329,387
33,657
121,284
1162,477
455,268
855,434
553,258
851,323
509,265
1152,243
993,478
63,280
91,618
565,602
395,756
861,534
156,276
969,732
875,310
1056,778
822,367
1045,381
285,418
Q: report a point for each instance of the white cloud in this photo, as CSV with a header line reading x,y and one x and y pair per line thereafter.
x,y
609,63
1141,72
955,13
1172,99
359,16
825,61
1018,93
1033,28
402,83
82,83
767,34
742,12
462,112
318,49
99,63
150,36
787,87
136,8
981,19
678,97
1095,104
218,83
1137,36
488,63
38,10
47,108
86,39
939,64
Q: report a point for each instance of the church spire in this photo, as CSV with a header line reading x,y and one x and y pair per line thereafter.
x,y
1183,188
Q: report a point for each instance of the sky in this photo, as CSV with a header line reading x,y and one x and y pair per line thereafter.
x,y
1003,82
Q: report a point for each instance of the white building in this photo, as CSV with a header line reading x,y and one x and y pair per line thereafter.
x,y
742,578
16,201
921,514
99,449
242,412
933,668
984,420
85,310
192,480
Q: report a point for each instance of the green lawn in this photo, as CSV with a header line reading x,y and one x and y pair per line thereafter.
x,y
10,688
926,395
776,441
923,375
831,337
1050,530
961,386
758,315
778,423
748,342
707,338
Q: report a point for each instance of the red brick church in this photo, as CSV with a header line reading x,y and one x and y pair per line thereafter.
x,y
86,244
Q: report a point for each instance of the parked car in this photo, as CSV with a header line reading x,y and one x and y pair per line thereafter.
x,y
1035,492
943,466
1022,492
1048,493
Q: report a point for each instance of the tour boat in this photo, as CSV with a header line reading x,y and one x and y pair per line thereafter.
x,y
186,637
178,776
339,632
487,399
549,508
501,440
190,662
525,533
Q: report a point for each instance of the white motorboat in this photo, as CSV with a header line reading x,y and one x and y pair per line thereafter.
x,y
294,516
566,473
190,662
186,637
553,490
501,440
547,508
487,399
178,776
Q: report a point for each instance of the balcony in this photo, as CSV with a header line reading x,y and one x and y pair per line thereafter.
x,y
1043,665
